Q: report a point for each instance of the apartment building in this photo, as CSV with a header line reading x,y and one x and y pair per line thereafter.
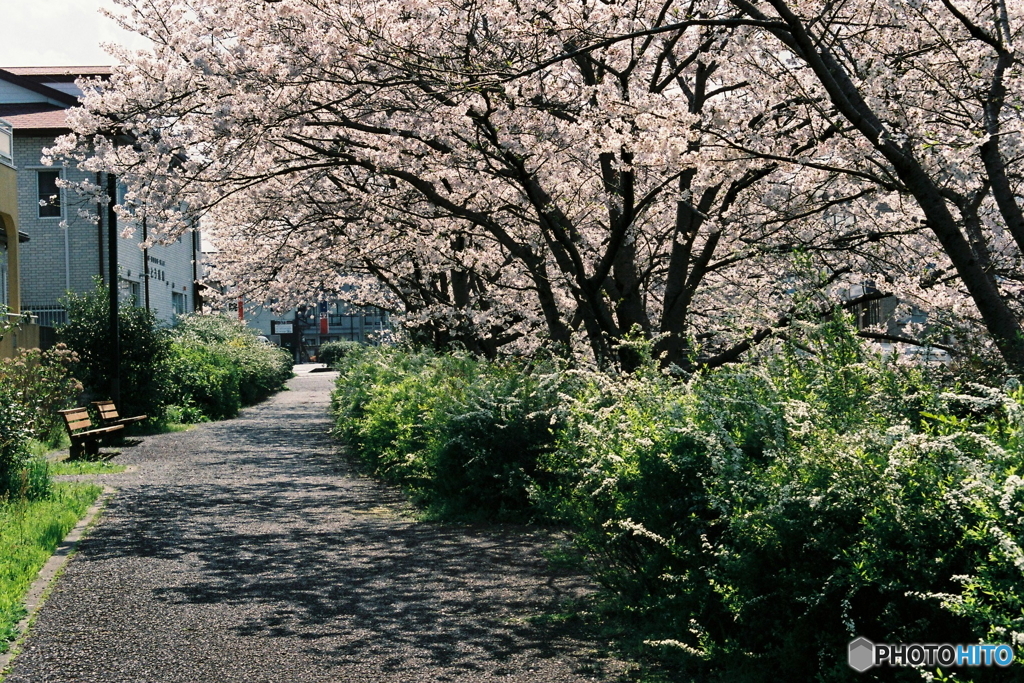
x,y
66,251
303,329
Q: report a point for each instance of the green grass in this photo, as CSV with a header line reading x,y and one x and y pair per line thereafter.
x,y
41,448
85,467
29,533
153,427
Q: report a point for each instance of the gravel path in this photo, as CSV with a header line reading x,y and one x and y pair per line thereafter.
x,y
247,550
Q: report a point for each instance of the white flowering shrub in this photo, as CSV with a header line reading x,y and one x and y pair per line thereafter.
x,y
752,518
761,516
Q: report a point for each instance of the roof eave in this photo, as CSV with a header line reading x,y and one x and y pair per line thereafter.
x,y
22,238
28,84
39,132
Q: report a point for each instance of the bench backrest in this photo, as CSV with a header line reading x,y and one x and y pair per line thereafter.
x,y
108,411
76,418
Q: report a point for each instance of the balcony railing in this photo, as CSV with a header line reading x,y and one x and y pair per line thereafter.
x,y
50,315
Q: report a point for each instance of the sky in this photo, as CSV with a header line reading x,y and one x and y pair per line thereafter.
x,y
59,33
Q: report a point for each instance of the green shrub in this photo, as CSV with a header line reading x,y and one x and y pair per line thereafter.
x,y
760,517
201,382
753,518
463,435
263,368
217,365
42,384
331,353
205,367
144,349
489,434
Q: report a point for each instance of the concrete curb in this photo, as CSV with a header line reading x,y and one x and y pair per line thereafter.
x,y
40,588
306,368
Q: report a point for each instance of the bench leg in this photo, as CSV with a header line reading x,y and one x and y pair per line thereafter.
x,y
92,447
77,450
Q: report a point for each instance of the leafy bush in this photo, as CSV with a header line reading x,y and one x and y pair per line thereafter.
x,y
490,436
760,517
463,435
217,365
202,382
331,353
753,518
21,476
144,350
206,367
42,384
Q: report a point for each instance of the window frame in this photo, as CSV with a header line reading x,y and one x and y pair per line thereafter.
x,y
7,133
175,298
39,195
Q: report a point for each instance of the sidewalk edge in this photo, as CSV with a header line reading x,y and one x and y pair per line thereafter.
x,y
39,591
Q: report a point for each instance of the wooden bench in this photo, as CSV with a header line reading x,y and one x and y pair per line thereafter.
x,y
110,417
84,441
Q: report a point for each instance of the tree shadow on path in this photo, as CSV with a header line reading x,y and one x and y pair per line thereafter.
x,y
257,537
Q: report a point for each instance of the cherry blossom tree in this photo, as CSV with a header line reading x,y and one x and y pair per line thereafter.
x,y
920,103
538,172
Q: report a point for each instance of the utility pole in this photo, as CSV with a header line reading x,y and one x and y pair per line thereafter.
x,y
145,265
115,336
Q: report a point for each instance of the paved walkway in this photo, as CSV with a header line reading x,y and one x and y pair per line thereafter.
x,y
247,550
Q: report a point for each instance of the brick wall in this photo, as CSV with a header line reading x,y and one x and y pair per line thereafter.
x,y
44,275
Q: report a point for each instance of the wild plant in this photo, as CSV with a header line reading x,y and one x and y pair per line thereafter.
x,y
42,384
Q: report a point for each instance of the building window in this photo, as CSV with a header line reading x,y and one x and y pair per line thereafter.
x,y
918,315
178,303
49,194
129,291
869,314
6,145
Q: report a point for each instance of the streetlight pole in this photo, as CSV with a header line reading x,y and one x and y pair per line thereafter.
x,y
115,337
